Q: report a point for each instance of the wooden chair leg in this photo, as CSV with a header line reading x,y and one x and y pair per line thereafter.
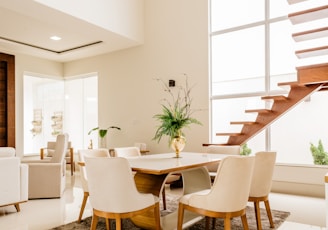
x,y
157,217
17,207
107,224
268,210
227,223
118,223
94,222
257,215
180,216
164,198
244,220
85,197
207,222
213,223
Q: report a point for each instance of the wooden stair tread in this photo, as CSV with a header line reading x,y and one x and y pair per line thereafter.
x,y
312,52
242,122
309,15
290,83
209,144
310,34
258,111
228,134
275,97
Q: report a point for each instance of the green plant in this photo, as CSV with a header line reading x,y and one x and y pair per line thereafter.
x,y
320,157
176,112
245,151
102,132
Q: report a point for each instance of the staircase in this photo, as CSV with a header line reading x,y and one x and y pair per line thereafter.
x,y
310,79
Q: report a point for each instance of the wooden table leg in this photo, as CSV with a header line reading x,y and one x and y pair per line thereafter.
x,y
148,183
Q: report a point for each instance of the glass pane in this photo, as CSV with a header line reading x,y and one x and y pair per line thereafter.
x,y
300,131
226,110
45,97
238,56
282,54
231,13
278,8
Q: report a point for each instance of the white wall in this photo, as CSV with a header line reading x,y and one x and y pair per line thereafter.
x,y
176,41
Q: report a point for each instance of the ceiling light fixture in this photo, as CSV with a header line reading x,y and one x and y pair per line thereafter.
x,y
55,38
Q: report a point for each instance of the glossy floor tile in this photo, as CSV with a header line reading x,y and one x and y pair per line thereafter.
x,y
306,213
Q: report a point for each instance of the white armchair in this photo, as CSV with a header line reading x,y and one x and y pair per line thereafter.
x,y
13,179
47,177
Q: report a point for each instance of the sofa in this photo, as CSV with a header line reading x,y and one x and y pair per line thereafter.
x,y
13,179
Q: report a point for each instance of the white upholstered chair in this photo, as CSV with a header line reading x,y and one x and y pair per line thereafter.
x,y
132,151
47,178
135,152
113,192
46,153
221,149
228,196
83,174
13,179
261,184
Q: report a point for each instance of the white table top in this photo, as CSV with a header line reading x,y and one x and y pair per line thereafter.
x,y
166,162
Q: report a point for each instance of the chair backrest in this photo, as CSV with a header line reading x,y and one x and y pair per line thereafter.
x,y
112,187
229,149
60,148
51,146
231,186
262,175
92,153
7,152
127,152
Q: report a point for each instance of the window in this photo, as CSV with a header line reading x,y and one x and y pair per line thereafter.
x,y
251,52
53,106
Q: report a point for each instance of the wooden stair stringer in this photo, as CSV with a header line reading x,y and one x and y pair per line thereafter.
x,y
297,94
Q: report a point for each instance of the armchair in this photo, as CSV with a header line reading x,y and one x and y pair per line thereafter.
x,y
47,178
13,179
46,153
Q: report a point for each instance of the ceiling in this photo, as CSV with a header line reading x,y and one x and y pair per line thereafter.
x,y
26,27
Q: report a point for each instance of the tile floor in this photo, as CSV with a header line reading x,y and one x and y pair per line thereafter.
x,y
306,213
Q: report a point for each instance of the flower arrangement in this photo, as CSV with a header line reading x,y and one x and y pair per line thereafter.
x,y
176,112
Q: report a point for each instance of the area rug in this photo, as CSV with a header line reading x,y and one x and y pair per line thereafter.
x,y
278,217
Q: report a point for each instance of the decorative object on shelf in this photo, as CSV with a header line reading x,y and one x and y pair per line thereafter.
x,y
320,157
176,115
102,134
37,122
57,123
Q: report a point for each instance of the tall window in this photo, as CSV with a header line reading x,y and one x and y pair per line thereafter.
x,y
53,106
252,50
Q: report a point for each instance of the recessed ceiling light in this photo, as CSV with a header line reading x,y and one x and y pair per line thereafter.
x,y
55,38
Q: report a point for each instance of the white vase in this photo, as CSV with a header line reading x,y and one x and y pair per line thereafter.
x,y
102,142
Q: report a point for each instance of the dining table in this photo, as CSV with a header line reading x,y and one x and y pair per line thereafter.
x,y
151,171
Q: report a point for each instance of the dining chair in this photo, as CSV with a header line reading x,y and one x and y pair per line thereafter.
x,y
228,196
113,192
83,174
134,152
261,184
220,149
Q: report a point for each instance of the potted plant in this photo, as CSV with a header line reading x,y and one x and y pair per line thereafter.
x,y
245,150
176,115
320,157
102,134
